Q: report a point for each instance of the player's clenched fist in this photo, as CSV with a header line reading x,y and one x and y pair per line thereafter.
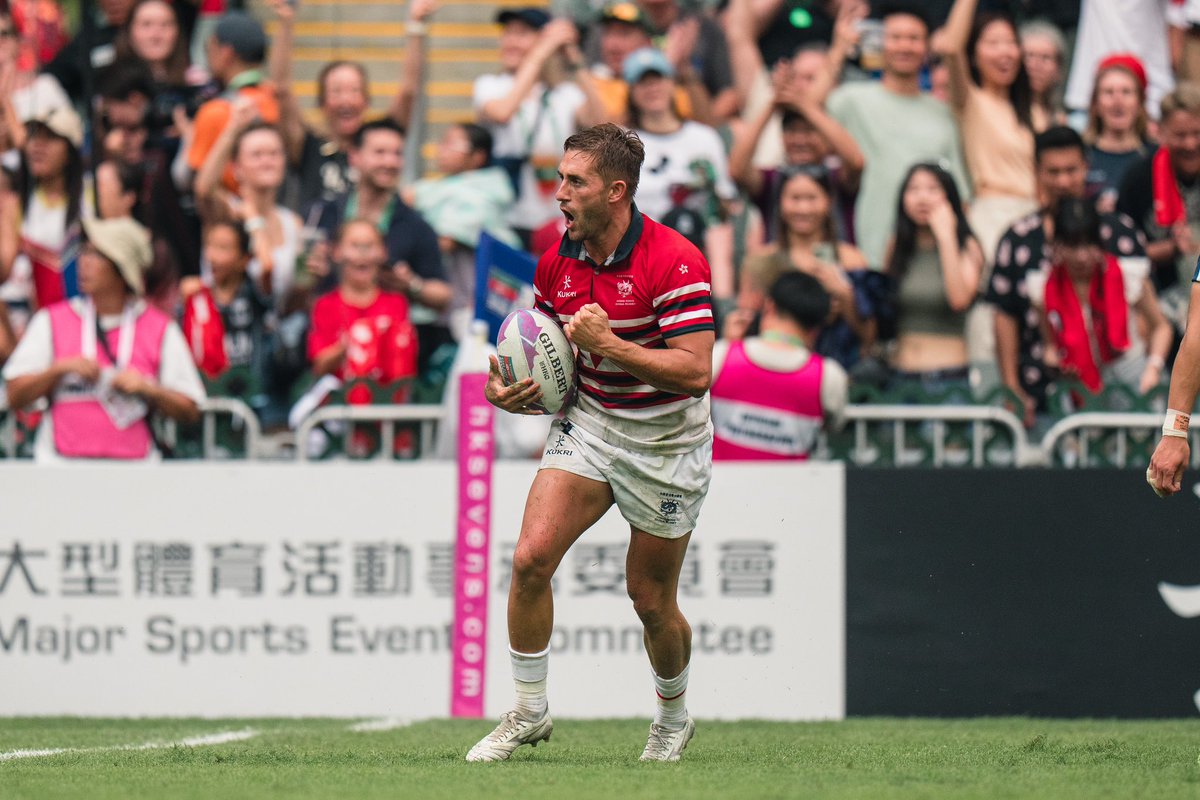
x,y
589,327
515,399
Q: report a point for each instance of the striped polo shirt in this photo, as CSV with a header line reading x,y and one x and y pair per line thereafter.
x,y
653,287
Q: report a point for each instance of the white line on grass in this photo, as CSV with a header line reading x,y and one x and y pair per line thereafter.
x,y
381,724
206,740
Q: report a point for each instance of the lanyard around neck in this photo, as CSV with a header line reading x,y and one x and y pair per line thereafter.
x,y
125,334
385,216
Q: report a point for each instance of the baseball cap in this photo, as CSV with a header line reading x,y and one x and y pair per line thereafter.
x,y
125,243
244,34
61,121
646,60
535,18
625,11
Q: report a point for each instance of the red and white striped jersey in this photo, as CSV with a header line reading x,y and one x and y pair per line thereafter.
x,y
655,286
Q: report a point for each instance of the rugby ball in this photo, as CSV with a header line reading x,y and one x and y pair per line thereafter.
x,y
532,345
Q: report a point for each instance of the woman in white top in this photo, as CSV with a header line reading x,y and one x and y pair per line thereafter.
x,y
39,217
260,163
685,179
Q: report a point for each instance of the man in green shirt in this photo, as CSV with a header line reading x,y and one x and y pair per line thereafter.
x,y
896,126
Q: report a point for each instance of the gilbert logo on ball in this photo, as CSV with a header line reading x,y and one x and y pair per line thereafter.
x,y
531,344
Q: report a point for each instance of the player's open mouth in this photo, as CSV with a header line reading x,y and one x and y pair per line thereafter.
x,y
569,217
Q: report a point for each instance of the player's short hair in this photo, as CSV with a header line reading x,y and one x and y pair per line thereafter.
x,y
1184,97
616,153
801,297
1058,137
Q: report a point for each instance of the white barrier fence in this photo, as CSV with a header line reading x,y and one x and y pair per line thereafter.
x,y
238,589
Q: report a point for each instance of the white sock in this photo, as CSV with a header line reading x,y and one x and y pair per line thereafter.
x,y
671,712
529,674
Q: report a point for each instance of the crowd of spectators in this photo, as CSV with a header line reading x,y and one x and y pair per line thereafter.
x,y
987,193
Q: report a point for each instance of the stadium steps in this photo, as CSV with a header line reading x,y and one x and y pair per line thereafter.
x,y
461,45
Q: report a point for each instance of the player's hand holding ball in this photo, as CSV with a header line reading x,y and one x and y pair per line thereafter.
x,y
517,398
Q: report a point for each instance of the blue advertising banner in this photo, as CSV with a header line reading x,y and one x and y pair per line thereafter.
x,y
503,282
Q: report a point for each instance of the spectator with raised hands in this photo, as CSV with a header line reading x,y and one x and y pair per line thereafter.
x,y
810,138
992,100
256,152
236,51
622,30
806,240
697,50
895,125
541,97
1118,126
321,158
935,263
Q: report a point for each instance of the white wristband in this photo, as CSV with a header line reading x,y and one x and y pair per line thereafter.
x,y
1176,424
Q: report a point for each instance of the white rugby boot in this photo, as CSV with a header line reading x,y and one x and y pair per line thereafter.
x,y
667,745
513,731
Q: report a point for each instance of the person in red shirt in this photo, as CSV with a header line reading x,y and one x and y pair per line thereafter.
x,y
635,298
358,330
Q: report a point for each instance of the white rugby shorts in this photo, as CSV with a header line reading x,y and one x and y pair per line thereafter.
x,y
656,493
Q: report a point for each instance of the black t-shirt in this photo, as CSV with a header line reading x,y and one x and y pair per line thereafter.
x,y
1137,201
324,171
245,320
1024,248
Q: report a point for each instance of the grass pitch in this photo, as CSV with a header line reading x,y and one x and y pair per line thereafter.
x,y
861,758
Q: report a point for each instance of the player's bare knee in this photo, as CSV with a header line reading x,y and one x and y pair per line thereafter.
x,y
532,568
654,606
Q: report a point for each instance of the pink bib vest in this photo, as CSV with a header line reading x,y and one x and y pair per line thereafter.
x,y
82,428
762,415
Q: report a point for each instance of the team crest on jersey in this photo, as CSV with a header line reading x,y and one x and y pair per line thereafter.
x,y
625,291
566,290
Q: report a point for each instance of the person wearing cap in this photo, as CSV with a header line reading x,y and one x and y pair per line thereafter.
x,y
542,96
106,361
344,98
39,217
685,181
1117,131
696,46
236,52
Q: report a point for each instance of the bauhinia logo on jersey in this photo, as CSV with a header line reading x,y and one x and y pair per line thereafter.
x,y
566,290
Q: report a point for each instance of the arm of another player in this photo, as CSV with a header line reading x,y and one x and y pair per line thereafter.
x,y
1171,456
685,367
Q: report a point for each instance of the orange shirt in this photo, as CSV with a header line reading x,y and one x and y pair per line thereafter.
x,y
614,93
214,115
